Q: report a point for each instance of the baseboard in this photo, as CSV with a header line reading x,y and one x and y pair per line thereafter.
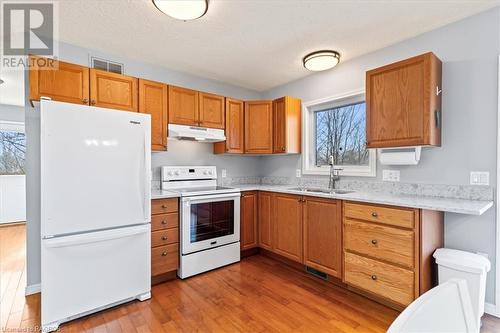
x,y
33,289
491,309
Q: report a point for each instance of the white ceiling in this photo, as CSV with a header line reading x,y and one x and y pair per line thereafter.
x,y
257,44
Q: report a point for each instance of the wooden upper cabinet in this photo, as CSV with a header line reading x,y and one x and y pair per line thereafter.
x,y
65,82
259,127
248,225
323,235
235,129
211,112
403,103
114,91
153,100
287,236
265,220
183,106
287,125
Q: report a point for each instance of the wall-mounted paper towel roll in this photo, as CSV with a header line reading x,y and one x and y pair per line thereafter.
x,y
399,156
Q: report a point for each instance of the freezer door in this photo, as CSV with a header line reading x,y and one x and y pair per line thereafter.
x,y
86,272
95,168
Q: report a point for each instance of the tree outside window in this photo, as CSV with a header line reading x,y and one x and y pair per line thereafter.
x,y
12,153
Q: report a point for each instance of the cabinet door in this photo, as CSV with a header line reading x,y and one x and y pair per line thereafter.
x,y
259,127
235,129
323,235
114,91
265,220
211,110
65,82
403,107
287,236
153,99
182,106
249,237
279,124
287,125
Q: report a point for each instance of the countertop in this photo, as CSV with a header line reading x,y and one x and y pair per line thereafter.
x,y
459,206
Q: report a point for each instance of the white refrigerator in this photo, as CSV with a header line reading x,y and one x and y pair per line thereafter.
x,y
95,209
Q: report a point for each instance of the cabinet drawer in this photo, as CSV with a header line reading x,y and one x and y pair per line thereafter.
x,y
164,237
160,206
386,243
164,259
385,280
164,221
393,216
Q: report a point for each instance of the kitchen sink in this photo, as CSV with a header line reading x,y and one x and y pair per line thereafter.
x,y
320,190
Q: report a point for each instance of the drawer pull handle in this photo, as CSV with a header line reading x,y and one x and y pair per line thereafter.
x,y
164,222
374,214
164,254
374,277
374,241
164,206
164,238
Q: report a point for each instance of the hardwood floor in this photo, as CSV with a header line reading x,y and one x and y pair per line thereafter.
x,y
257,295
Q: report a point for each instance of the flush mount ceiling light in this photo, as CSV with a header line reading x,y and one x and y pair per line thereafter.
x,y
182,9
321,60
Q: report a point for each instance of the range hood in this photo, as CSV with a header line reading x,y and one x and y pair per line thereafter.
x,y
193,133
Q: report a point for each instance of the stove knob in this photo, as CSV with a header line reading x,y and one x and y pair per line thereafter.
x,y
170,173
210,172
177,173
205,172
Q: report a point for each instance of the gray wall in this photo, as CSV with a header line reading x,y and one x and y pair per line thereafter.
x,y
11,113
187,153
469,50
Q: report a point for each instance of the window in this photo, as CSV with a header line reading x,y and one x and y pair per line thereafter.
x,y
336,129
12,149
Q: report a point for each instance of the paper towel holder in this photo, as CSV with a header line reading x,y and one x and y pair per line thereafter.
x,y
399,155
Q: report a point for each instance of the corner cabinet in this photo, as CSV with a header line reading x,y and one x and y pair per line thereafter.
x,y
153,100
235,129
113,91
259,127
64,83
403,103
248,221
287,125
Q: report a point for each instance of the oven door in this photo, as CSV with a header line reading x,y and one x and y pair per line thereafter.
x,y
209,221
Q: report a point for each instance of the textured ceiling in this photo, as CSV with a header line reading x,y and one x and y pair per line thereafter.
x,y
257,44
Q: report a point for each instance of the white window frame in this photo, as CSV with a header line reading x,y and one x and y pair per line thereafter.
x,y
308,128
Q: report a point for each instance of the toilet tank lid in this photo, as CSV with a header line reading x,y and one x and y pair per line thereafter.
x,y
462,260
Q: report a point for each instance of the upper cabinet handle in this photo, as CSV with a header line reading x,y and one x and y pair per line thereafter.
x,y
85,101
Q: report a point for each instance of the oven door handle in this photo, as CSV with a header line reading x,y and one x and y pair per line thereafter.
x,y
210,196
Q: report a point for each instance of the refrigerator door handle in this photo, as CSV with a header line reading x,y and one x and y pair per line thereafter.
x,y
94,237
147,178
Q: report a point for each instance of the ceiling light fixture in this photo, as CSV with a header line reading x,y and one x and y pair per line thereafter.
x,y
321,60
182,9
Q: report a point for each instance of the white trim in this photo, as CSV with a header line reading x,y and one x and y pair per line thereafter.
x,y
495,309
307,168
33,289
13,126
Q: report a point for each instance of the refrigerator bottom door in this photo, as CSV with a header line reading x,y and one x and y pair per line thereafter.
x,y
89,272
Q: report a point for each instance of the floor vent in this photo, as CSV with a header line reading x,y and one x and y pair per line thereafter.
x,y
317,273
106,65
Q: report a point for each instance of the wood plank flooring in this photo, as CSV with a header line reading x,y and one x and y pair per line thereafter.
x,y
257,295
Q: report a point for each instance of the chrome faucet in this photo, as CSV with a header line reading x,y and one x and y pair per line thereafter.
x,y
334,175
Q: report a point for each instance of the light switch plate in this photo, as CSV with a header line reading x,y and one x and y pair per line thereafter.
x,y
224,173
298,173
479,178
391,175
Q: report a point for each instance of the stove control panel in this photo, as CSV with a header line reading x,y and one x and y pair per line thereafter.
x,y
172,173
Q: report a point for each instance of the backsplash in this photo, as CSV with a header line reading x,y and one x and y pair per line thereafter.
x,y
469,192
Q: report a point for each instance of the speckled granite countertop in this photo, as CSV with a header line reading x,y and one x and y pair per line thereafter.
x,y
460,206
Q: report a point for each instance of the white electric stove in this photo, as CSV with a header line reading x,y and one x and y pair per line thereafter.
x,y
209,218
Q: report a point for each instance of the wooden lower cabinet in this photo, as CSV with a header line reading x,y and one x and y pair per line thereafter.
x,y
248,221
323,235
265,222
287,219
164,239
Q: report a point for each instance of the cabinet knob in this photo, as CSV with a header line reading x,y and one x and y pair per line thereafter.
x,y
85,101
164,222
374,277
164,238
164,206
374,214
164,254
374,241
92,102
283,148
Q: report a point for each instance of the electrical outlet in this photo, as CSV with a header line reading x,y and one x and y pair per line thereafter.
x,y
298,173
391,175
224,173
479,178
